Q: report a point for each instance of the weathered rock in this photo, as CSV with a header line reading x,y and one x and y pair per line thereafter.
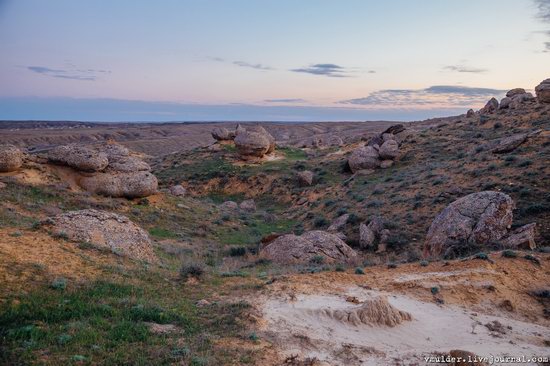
x,y
114,151
301,249
515,91
505,103
338,223
389,150
384,164
334,140
11,158
254,142
478,218
543,91
248,205
491,106
470,113
395,129
366,236
127,164
509,143
388,136
222,134
229,206
105,230
523,237
178,190
305,178
239,129
365,157
79,157
376,140
129,185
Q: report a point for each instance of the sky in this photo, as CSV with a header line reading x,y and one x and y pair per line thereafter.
x,y
264,60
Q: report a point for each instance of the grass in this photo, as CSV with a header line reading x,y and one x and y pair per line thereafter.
x,y
254,231
162,233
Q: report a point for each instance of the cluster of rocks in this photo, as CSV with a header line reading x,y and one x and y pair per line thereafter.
x,y
304,248
481,218
11,158
374,234
380,151
104,230
516,98
246,205
108,170
251,142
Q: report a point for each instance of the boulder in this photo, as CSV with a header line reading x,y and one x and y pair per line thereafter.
x,y
178,190
376,140
291,248
305,178
229,206
515,91
127,164
129,185
395,129
491,106
505,103
222,134
523,237
114,151
11,158
248,205
509,143
365,157
79,157
338,223
366,236
255,144
334,140
543,91
105,230
478,218
470,113
384,164
388,136
389,150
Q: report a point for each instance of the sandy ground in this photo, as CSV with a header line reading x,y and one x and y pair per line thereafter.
x,y
295,312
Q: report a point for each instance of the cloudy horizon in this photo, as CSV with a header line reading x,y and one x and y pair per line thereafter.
x,y
285,61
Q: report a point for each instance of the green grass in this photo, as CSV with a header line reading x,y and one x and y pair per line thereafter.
x,y
252,233
162,233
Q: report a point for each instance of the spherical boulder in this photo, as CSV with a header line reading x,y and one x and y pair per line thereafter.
x,y
222,134
305,178
129,185
253,144
543,91
515,91
491,106
11,158
290,248
389,150
476,219
105,230
79,157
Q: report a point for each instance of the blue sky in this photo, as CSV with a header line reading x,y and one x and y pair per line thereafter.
x,y
265,60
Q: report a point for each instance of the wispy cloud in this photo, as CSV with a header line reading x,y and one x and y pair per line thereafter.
x,y
467,69
330,70
543,14
252,66
438,95
73,74
285,100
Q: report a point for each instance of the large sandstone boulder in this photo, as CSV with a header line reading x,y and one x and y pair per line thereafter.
x,y
338,224
105,230
395,129
255,143
478,218
127,164
543,91
365,157
291,248
11,158
514,92
389,150
79,157
305,178
129,185
222,134
523,237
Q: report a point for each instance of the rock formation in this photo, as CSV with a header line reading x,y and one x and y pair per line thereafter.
x,y
301,249
222,134
105,230
254,142
305,178
543,91
11,158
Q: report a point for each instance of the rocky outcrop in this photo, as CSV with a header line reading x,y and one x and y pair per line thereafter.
x,y
11,158
229,206
109,169
478,218
104,230
380,151
129,185
222,134
305,178
491,106
543,91
81,158
389,150
291,248
395,129
510,143
338,223
470,113
523,237
254,142
373,233
515,92
334,140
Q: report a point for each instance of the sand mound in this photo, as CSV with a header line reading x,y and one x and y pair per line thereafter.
x,y
374,312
